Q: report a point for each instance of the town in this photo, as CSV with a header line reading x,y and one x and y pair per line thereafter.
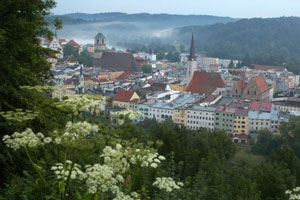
x,y
197,92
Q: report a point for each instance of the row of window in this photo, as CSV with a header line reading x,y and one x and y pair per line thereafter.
x,y
199,117
201,123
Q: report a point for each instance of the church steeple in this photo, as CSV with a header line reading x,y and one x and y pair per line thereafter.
x,y
192,50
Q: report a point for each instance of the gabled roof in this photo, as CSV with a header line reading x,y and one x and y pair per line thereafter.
x,y
261,106
205,82
73,44
124,95
113,61
261,84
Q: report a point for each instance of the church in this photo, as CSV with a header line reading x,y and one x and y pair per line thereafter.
x,y
108,60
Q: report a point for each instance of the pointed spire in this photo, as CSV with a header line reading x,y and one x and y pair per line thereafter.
x,y
192,51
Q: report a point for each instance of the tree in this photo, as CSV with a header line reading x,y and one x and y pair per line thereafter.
x,y
22,59
147,68
266,143
182,48
231,65
57,23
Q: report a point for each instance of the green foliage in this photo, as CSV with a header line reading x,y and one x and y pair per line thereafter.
x,y
22,59
254,41
147,68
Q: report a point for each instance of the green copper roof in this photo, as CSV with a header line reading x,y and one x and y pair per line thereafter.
x,y
99,35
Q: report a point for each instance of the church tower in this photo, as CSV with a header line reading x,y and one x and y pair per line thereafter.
x,y
100,42
81,81
191,64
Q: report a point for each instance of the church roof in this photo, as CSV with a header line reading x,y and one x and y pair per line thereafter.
x,y
261,84
205,82
114,61
99,35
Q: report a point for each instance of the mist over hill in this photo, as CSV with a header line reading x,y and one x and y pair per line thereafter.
x,y
122,27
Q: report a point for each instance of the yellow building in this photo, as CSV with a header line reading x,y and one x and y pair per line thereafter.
x,y
179,116
241,122
177,87
126,99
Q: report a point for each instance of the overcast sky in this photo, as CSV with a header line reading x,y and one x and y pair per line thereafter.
x,y
232,8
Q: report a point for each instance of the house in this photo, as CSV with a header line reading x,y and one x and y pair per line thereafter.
x,y
263,120
126,99
200,117
225,118
257,89
240,122
269,68
240,139
205,83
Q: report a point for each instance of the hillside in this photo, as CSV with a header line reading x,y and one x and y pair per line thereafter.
x,y
134,27
268,41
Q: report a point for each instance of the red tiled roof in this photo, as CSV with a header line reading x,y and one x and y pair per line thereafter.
x,y
125,75
73,44
205,82
266,106
123,95
113,61
261,84
268,67
241,112
97,80
209,98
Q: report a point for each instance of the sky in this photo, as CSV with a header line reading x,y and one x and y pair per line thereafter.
x,y
230,8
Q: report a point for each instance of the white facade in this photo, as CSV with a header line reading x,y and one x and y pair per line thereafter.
x,y
191,68
201,117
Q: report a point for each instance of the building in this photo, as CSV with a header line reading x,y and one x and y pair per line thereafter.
x,y
206,83
191,63
287,104
210,61
127,99
100,43
225,119
237,89
61,91
263,120
257,89
198,116
115,61
240,121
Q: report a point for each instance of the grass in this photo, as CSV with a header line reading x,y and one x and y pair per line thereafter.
x,y
244,153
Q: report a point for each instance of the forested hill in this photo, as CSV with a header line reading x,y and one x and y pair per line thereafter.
x,y
162,20
271,40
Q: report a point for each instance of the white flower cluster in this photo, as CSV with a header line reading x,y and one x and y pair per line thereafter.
x,y
80,103
25,139
62,171
167,184
122,196
146,158
101,178
293,194
79,129
127,113
116,158
19,115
